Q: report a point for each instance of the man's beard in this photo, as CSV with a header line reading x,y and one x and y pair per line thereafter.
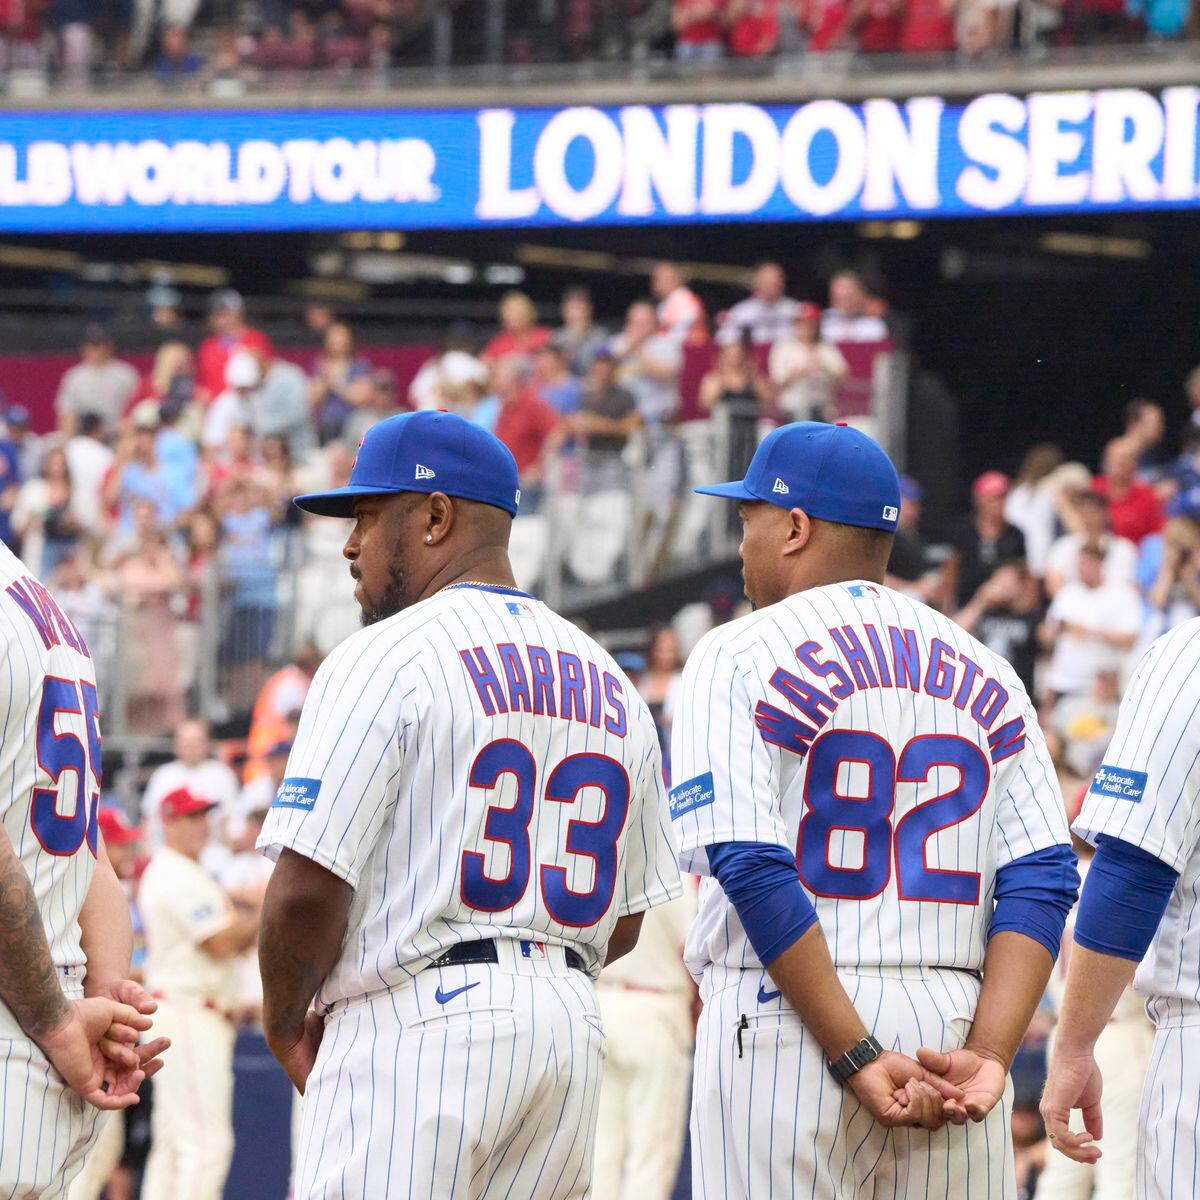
x,y
394,599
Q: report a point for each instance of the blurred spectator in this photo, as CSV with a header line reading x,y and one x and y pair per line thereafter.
x,y
278,706
99,383
1030,505
752,27
909,569
981,542
1120,554
1133,508
177,64
48,517
928,27
606,420
10,486
520,335
176,451
650,363
279,405
766,315
249,569
1005,614
194,767
851,316
659,686
172,380
680,313
524,423
138,474
1085,722
983,25
736,390
380,402
1145,426
149,579
562,390
1174,595
872,26
805,369
340,382
24,442
164,304
1191,389
89,459
699,34
1091,627
579,336
453,365
234,405
89,608
227,318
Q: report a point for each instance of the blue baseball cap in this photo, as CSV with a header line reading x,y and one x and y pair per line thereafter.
x,y
832,472
424,452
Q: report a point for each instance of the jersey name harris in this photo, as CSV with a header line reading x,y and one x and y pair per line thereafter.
x,y
531,679
895,658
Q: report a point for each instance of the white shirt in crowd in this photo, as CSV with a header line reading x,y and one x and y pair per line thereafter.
x,y
182,905
1120,558
89,461
1030,507
1109,608
803,395
844,327
765,322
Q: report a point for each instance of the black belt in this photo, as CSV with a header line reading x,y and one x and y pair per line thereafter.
x,y
485,952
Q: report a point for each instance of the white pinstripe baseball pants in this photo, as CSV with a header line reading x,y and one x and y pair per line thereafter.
x,y
1168,1164
769,1122
46,1130
471,1082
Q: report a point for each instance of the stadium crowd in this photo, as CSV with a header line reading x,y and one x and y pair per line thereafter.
x,y
158,512
228,47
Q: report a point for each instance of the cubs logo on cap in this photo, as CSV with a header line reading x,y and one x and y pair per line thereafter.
x,y
424,452
831,472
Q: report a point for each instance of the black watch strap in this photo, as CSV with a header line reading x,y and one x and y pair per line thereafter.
x,y
857,1057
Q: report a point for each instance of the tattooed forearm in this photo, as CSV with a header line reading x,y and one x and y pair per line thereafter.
x,y
28,982
303,923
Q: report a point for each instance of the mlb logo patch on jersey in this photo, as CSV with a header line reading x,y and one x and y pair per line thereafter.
x,y
297,793
691,794
534,950
859,590
1119,783
518,608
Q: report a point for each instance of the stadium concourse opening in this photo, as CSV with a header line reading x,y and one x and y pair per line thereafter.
x,y
1019,328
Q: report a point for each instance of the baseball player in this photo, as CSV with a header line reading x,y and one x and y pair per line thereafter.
x,y
194,934
1142,813
64,926
886,861
472,823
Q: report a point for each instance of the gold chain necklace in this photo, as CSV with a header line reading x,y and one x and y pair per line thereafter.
x,y
462,583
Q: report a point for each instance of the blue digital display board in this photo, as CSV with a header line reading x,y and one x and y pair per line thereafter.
x,y
278,169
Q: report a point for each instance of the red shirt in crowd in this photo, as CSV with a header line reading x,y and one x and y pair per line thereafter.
x,y
928,25
214,353
1137,513
875,31
755,31
523,425
697,22
509,345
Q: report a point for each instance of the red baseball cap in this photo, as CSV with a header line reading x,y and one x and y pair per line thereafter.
x,y
990,485
115,827
182,803
807,311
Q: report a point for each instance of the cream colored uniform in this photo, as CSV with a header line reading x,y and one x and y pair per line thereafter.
x,y
192,1123
646,1002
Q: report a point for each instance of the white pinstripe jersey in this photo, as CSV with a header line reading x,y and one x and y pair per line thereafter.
x,y
898,757
475,767
49,752
1147,793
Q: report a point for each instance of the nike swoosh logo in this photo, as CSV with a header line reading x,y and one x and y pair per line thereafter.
x,y
445,997
767,997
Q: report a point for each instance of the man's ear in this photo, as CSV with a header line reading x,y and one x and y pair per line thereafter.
x,y
799,531
440,519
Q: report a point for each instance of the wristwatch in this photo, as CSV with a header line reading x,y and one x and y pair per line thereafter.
x,y
857,1057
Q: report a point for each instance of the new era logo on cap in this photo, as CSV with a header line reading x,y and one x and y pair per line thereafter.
x,y
780,488
425,472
